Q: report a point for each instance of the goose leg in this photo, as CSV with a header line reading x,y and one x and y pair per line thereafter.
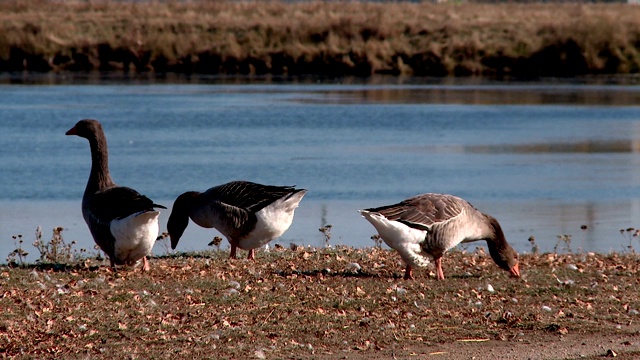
x,y
438,262
233,251
252,255
408,273
145,264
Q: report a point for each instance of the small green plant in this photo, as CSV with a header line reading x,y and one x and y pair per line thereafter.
x,y
17,256
377,240
217,240
56,250
534,246
566,241
583,237
630,234
326,231
163,239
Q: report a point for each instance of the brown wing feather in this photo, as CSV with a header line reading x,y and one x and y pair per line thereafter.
x,y
235,220
248,195
423,211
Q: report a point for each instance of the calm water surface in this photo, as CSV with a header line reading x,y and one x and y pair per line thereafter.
x,y
542,158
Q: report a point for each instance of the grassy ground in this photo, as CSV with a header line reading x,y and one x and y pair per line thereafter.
x,y
323,303
325,38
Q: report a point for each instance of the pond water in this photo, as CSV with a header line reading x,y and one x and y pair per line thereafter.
x,y
543,158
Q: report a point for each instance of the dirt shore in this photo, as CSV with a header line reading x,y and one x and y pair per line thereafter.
x,y
328,303
321,38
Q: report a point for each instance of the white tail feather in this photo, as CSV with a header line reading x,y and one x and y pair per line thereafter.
x,y
135,235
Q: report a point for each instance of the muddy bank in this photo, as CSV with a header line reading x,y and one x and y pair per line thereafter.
x,y
335,39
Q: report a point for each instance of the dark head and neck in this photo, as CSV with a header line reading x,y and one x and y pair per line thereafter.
x,y
99,178
179,218
501,252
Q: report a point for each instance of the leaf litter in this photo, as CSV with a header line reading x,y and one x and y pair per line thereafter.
x,y
309,302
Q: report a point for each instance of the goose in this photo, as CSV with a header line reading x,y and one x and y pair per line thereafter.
x,y
426,226
123,223
249,215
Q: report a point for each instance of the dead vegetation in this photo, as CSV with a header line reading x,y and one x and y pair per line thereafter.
x,y
302,303
322,38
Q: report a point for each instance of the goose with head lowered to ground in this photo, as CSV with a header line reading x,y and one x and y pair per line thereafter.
x,y
123,222
248,214
426,226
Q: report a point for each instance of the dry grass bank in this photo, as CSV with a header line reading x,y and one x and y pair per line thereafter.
x,y
327,38
317,303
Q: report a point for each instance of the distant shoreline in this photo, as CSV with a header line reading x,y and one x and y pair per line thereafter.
x,y
321,38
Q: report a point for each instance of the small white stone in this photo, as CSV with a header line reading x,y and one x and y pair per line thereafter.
x,y
546,308
260,354
354,266
572,267
232,292
490,288
234,284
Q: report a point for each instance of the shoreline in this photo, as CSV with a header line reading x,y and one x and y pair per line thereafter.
x,y
349,229
316,303
322,38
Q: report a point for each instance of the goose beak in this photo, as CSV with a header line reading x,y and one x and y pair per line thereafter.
x,y
515,270
71,131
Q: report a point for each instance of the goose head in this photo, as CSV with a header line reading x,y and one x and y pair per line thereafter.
x,y
179,217
501,252
87,128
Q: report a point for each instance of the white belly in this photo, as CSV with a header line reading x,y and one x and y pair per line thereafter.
x,y
272,222
135,236
404,239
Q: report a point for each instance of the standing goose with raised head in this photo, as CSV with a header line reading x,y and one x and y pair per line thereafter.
x,y
123,222
249,215
426,226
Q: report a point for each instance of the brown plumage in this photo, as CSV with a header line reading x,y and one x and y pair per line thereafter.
x,y
428,225
123,223
249,215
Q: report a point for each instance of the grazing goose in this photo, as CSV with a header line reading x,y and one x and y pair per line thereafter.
x,y
249,215
428,225
122,222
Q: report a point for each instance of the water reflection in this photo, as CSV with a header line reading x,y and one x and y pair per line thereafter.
x,y
485,95
587,146
580,147
605,91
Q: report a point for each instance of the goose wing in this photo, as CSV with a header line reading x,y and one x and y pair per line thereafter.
x,y
107,205
248,195
119,202
423,211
